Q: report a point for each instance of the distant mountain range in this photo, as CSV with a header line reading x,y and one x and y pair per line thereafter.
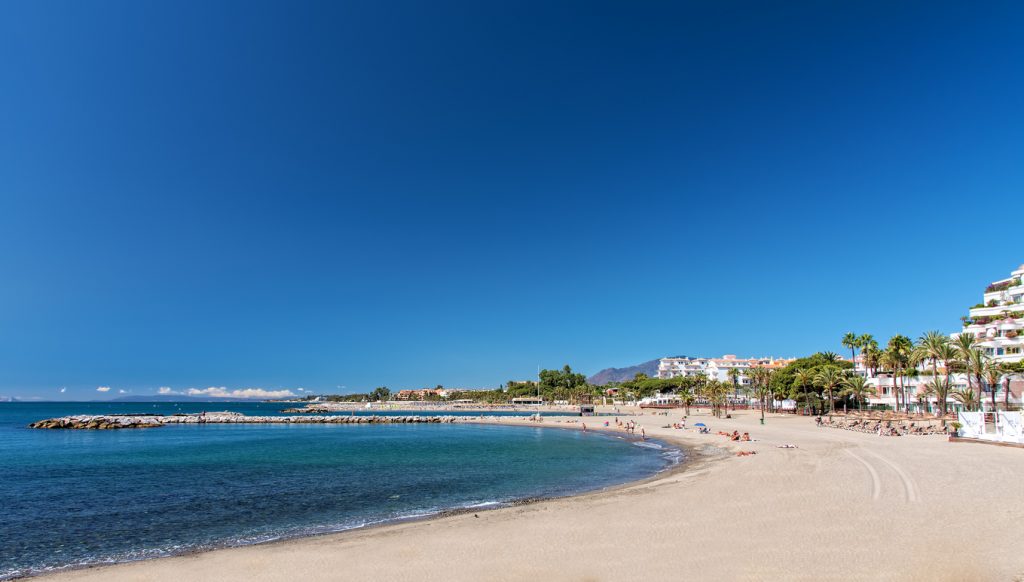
x,y
622,374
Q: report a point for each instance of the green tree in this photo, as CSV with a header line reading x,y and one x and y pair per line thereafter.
x,y
964,344
856,387
734,375
851,341
761,381
829,378
802,379
965,396
949,357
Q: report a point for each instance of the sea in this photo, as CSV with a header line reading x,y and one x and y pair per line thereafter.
x,y
76,498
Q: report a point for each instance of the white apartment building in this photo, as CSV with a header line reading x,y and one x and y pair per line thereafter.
x,y
998,321
998,324
716,368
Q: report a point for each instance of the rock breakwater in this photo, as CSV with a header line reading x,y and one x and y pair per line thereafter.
x,y
107,422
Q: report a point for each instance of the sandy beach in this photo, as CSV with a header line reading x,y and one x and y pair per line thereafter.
x,y
840,506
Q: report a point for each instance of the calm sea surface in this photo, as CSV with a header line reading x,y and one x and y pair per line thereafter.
x,y
88,497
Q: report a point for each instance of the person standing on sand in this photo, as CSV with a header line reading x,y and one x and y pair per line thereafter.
x,y
584,427
643,434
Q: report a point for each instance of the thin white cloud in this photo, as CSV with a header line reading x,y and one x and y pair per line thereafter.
x,y
122,391
166,390
63,390
103,389
222,392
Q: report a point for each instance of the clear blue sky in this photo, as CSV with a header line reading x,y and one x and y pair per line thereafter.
x,y
305,194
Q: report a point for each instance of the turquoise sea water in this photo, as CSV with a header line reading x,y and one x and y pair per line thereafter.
x,y
88,497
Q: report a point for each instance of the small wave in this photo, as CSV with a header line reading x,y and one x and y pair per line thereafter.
x,y
648,445
674,456
482,504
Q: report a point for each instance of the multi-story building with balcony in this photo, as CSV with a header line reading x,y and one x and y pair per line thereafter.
x,y
998,325
716,368
998,321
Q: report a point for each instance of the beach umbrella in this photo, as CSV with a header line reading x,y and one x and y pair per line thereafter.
x,y
700,424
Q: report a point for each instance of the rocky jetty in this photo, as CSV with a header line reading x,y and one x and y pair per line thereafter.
x,y
102,422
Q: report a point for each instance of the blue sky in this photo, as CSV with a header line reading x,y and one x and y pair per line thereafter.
x,y
353,194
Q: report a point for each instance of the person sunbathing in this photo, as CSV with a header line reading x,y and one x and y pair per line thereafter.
x,y
735,436
745,437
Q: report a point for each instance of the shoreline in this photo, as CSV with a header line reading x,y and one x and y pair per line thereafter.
x,y
824,510
686,451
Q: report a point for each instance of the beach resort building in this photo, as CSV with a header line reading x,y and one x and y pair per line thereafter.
x,y
717,368
998,325
998,321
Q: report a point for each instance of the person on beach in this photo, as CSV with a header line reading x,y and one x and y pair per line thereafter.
x,y
643,435
584,427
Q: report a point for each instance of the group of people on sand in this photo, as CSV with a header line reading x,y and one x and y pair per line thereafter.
x,y
630,427
735,436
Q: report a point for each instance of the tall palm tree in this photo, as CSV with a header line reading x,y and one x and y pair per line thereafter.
x,y
687,397
851,341
992,373
904,347
734,375
828,378
974,367
856,387
760,379
1007,374
802,378
866,340
929,347
949,356
891,359
964,344
871,355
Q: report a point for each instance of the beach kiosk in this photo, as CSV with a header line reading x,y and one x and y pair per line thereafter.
x,y
587,407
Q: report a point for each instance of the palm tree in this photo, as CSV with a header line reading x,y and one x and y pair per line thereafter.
x,y
856,387
903,349
992,373
828,378
734,375
948,355
829,357
964,396
760,379
1007,374
932,388
871,355
975,369
964,346
928,347
891,359
687,397
866,340
802,378
851,341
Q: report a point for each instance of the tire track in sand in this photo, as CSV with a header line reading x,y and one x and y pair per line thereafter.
x,y
876,481
910,488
